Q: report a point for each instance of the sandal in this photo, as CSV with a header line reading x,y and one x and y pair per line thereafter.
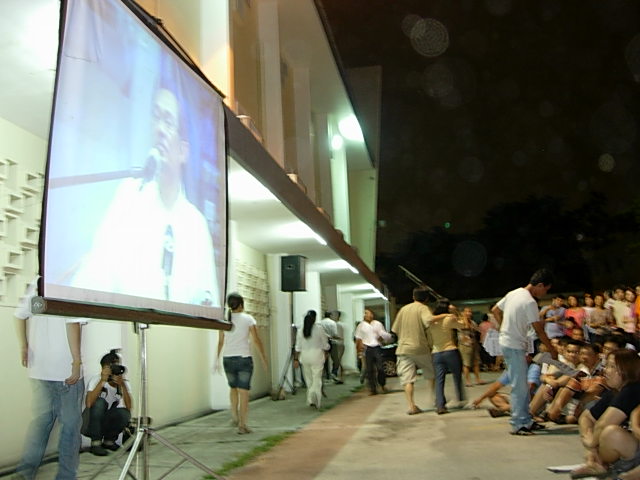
x,y
587,471
414,411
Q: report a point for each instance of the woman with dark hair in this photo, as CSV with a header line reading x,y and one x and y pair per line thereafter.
x,y
312,343
237,360
446,356
607,450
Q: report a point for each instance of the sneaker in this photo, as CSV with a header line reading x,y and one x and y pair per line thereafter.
x,y
110,446
523,432
536,426
99,450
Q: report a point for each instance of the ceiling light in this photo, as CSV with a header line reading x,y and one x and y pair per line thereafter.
x,y
337,142
350,129
243,187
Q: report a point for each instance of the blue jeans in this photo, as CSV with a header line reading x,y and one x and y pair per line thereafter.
x,y
516,361
444,362
51,401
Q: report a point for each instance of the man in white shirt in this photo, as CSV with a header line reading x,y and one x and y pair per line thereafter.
x,y
50,349
516,312
370,334
331,329
153,242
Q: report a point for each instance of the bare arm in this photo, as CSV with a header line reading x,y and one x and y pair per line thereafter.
x,y
635,422
497,313
539,328
258,343
92,395
74,335
21,331
220,342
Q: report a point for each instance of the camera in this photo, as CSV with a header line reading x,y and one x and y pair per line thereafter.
x,y
117,369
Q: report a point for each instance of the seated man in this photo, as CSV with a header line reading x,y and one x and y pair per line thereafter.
x,y
109,404
501,405
554,379
582,389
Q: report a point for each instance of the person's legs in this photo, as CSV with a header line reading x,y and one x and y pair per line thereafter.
x,y
243,410
234,402
616,443
564,395
454,365
115,421
439,362
370,362
97,414
70,418
381,377
308,375
517,368
316,383
44,416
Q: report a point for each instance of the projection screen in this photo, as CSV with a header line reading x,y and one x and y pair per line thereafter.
x,y
135,208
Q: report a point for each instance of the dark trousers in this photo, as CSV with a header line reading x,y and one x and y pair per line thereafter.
x,y
375,372
444,362
107,423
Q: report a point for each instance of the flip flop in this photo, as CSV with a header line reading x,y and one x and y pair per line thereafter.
x,y
590,471
414,411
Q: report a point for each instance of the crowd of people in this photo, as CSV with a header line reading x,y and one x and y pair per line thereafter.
x,y
574,361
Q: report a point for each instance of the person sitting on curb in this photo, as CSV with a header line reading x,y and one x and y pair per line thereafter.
x,y
500,401
109,404
601,432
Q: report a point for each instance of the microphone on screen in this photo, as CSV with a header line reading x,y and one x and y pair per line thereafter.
x,y
147,172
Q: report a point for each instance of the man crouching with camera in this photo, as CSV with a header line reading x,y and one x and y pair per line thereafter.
x,y
109,404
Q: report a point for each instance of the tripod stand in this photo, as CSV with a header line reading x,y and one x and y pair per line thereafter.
x,y
289,364
144,431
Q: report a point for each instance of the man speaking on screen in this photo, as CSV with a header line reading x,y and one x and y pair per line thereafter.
x,y
153,242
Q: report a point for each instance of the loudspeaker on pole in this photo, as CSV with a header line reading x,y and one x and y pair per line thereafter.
x,y
292,274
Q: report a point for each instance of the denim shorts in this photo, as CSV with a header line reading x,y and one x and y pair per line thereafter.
x,y
239,371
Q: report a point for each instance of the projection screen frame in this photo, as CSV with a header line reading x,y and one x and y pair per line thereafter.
x,y
60,307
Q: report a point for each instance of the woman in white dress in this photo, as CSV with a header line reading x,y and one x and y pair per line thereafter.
x,y
312,344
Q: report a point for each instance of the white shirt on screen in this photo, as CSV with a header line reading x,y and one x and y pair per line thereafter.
x,y
128,255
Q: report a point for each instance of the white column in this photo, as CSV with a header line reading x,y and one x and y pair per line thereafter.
x,y
323,163
302,115
216,60
340,190
269,37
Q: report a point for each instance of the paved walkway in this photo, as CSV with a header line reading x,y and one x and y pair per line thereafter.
x,y
356,436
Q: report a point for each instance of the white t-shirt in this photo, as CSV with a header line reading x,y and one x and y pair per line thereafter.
x,y
49,355
236,340
330,327
520,310
109,393
318,340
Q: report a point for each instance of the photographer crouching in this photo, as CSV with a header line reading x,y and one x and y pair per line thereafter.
x,y
109,404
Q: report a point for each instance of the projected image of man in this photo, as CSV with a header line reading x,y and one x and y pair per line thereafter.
x,y
153,242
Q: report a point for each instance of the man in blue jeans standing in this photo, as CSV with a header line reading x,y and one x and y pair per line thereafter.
x,y
50,348
515,312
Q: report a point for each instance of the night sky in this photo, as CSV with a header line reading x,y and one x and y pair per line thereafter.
x,y
488,104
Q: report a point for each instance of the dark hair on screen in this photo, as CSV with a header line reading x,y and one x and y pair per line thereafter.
x,y
309,320
111,357
543,276
234,301
442,306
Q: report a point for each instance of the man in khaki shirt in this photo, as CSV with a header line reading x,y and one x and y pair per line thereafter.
x,y
414,345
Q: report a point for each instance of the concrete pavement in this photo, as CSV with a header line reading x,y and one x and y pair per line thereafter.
x,y
355,435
